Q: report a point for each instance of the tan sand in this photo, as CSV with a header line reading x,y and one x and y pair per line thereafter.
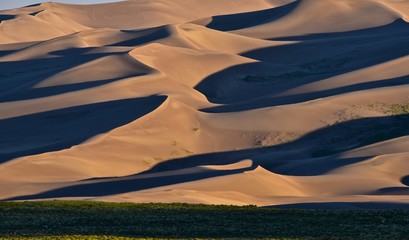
x,y
267,102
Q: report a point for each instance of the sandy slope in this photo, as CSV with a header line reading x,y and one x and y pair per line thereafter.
x,y
269,102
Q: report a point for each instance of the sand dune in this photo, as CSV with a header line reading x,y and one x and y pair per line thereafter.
x,y
269,102
334,16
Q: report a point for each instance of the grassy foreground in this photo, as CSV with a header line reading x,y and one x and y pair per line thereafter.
x,y
96,220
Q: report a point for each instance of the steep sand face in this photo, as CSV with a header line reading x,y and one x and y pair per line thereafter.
x,y
312,17
56,19
268,102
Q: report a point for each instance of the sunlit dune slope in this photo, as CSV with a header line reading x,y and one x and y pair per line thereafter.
x,y
266,102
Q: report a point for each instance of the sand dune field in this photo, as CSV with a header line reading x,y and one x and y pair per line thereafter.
x,y
285,103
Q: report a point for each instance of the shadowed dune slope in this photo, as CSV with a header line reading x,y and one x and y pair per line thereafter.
x,y
290,104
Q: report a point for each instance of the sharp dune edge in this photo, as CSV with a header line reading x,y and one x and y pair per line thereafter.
x,y
267,102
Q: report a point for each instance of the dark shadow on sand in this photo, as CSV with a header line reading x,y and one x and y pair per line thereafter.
x,y
392,191
5,17
271,101
143,181
63,128
146,36
18,78
249,19
396,28
118,186
398,190
258,85
55,90
405,180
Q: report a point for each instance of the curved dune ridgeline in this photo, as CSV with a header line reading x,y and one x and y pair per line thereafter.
x,y
266,102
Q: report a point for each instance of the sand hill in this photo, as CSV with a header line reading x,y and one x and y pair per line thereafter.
x,y
268,102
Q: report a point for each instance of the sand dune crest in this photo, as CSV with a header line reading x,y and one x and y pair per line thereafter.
x,y
266,102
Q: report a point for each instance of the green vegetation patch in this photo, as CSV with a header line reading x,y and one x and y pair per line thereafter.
x,y
399,108
100,237
394,109
95,220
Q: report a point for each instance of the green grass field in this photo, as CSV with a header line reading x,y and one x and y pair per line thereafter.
x,y
96,220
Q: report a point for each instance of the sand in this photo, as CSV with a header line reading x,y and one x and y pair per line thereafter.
x,y
279,103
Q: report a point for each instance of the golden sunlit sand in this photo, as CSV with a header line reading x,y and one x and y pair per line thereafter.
x,y
264,102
